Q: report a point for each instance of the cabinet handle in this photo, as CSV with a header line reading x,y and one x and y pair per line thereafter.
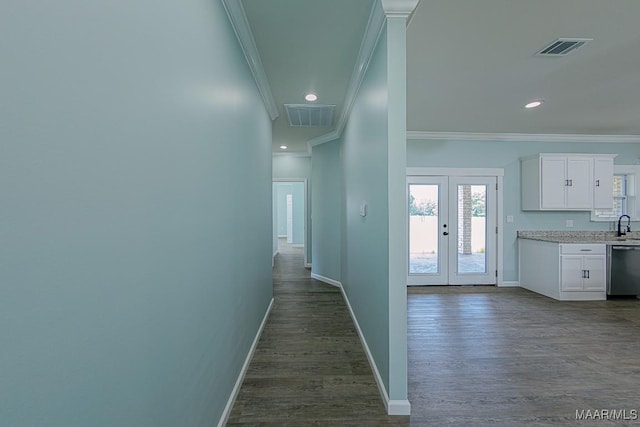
x,y
587,274
570,183
584,275
597,183
586,250
566,182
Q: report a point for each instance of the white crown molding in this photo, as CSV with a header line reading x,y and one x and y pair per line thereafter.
x,y
327,137
291,154
369,41
399,8
521,137
240,25
382,9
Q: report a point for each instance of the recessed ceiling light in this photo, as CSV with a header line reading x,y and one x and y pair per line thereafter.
x,y
534,104
283,147
311,97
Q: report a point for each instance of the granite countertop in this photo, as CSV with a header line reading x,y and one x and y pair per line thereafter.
x,y
601,237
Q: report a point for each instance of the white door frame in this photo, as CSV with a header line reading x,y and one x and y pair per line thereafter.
x,y
304,181
493,172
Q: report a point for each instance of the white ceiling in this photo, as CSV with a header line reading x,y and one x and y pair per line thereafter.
x,y
471,65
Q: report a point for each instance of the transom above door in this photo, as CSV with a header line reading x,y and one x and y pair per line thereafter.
x,y
452,230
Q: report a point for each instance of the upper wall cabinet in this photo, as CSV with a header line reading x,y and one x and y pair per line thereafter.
x,y
567,182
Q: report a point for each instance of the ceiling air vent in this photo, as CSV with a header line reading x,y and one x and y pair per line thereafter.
x,y
562,47
303,115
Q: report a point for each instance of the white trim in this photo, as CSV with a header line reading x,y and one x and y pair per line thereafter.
x,y
327,137
498,173
399,407
273,258
297,245
428,171
372,362
521,137
500,234
282,236
307,265
367,47
399,8
290,154
241,26
326,280
236,389
509,284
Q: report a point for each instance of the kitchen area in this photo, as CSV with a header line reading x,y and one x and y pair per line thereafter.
x,y
576,265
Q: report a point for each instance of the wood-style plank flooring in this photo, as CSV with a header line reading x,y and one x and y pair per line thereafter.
x,y
509,357
478,356
309,367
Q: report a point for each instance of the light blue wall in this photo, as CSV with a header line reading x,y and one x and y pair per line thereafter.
x,y
326,202
506,155
293,167
296,189
365,241
128,293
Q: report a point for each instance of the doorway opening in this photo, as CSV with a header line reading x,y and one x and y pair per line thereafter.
x,y
290,216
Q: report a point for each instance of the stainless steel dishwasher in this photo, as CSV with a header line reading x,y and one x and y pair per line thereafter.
x,y
623,267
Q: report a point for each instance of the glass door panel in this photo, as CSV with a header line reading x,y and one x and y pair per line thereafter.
x,y
472,229
473,258
427,197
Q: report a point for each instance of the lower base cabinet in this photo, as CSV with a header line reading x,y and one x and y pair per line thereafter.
x,y
567,272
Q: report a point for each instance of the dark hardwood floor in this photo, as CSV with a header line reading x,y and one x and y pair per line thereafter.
x,y
478,356
309,367
509,357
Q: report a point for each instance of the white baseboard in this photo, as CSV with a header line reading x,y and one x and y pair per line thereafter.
x,y
372,362
399,407
326,280
282,236
510,284
307,265
236,389
394,407
297,245
273,258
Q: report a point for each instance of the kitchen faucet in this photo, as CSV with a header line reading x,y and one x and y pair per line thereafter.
x,y
620,232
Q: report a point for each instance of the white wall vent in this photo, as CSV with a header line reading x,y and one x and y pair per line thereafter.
x,y
562,47
304,115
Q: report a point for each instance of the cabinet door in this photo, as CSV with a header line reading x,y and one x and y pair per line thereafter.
x,y
580,188
553,186
596,273
603,184
571,273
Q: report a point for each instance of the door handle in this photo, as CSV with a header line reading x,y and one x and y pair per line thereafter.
x,y
445,233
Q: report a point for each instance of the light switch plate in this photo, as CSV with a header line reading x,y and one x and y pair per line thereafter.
x,y
363,210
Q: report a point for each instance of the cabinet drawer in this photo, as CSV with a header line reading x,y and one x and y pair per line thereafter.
x,y
583,249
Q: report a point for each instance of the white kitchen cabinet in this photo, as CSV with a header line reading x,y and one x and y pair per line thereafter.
x,y
603,183
568,272
567,181
583,273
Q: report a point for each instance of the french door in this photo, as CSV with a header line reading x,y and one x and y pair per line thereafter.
x,y
452,230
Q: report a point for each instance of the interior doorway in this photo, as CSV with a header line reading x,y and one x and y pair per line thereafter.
x,y
289,215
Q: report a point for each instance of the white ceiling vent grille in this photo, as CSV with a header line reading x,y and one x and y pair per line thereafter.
x,y
562,47
303,115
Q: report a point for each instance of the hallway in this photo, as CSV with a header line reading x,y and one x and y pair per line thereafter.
x,y
309,367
